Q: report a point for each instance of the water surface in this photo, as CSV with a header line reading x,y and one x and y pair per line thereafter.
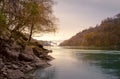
x,y
81,64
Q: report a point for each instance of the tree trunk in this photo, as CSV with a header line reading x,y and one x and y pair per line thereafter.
x,y
31,31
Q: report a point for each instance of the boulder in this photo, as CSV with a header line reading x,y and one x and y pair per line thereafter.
x,y
16,46
28,68
38,44
11,53
1,64
15,74
3,71
41,63
16,60
25,57
40,51
15,66
27,54
49,58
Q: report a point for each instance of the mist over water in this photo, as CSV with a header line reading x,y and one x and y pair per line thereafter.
x,y
81,64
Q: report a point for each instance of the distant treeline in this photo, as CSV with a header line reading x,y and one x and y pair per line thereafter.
x,y
105,34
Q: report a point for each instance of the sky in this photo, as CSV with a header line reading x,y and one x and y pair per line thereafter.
x,y
77,15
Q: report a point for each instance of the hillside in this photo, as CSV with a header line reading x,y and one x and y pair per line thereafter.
x,y
105,34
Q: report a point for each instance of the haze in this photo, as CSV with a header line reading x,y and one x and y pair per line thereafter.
x,y
76,15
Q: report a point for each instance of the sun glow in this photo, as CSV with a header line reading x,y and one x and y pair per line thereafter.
x,y
48,37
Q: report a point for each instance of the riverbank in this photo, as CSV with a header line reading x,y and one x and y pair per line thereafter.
x,y
17,57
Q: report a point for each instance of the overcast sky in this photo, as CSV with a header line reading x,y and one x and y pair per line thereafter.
x,y
76,15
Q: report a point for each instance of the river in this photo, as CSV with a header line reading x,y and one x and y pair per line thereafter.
x,y
71,63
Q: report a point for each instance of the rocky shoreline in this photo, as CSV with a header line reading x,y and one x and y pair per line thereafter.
x,y
17,58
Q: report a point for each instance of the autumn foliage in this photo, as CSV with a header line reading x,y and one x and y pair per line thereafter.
x,y
105,34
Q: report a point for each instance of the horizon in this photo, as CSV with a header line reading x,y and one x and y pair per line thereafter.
x,y
75,16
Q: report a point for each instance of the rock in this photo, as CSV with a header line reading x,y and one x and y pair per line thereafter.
x,y
15,66
41,63
3,71
25,57
16,46
27,54
28,67
1,64
21,42
16,60
15,74
49,58
40,51
47,51
5,35
28,50
38,44
50,51
11,53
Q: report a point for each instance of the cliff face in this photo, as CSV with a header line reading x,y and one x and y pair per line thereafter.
x,y
105,34
17,57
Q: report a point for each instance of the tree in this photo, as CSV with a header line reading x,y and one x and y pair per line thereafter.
x,y
40,17
105,34
32,16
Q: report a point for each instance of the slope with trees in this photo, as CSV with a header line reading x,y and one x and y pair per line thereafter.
x,y
105,34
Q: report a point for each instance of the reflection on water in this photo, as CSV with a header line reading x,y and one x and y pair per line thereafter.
x,y
109,63
48,73
81,64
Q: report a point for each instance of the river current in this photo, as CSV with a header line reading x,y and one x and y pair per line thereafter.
x,y
71,63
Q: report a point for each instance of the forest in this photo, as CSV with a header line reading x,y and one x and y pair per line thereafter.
x,y
105,34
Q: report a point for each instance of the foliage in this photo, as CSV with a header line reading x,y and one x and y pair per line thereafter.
x,y
105,34
31,16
